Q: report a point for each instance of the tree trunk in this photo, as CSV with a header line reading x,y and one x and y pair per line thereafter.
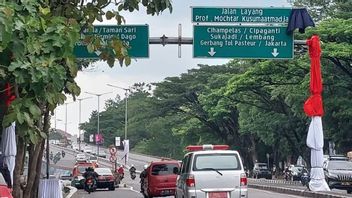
x,y
20,156
34,193
46,126
32,172
253,149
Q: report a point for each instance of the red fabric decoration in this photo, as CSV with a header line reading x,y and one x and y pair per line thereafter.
x,y
314,104
9,96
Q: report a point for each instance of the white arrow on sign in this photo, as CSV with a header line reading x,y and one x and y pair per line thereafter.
x,y
97,52
275,53
212,52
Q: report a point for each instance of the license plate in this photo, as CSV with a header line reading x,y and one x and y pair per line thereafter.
x,y
218,195
346,183
166,192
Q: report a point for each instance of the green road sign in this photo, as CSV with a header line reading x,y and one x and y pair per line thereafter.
x,y
240,15
135,36
242,42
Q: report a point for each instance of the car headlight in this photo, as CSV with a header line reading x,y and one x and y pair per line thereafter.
x,y
331,175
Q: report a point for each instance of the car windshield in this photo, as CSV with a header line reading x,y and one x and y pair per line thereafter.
x,y
163,169
262,166
340,165
216,161
93,158
103,171
82,169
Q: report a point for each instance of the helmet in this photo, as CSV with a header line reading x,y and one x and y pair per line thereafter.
x,y
132,165
90,169
145,166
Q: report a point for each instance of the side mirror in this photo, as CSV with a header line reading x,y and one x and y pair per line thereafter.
x,y
176,171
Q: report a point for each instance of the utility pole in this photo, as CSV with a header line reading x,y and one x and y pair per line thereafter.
x,y
98,129
126,107
79,121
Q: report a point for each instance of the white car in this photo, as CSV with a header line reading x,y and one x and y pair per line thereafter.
x,y
211,171
87,149
75,147
81,157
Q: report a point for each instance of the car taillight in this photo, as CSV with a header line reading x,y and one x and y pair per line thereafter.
x,y
190,181
243,179
207,147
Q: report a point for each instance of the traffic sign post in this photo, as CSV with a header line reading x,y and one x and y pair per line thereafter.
x,y
113,151
240,15
261,42
135,36
117,141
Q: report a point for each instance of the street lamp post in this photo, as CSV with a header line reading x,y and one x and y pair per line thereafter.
x,y
125,105
98,132
79,121
65,116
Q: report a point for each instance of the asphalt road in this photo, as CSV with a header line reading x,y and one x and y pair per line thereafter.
x,y
131,190
131,193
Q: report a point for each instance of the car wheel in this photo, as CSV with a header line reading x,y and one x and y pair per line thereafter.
x,y
349,191
112,188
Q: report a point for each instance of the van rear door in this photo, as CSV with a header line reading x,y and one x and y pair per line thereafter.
x,y
162,176
217,174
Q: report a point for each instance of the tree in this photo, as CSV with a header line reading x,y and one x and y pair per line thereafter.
x,y
37,39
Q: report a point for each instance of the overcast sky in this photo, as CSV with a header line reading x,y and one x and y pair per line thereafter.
x,y
162,62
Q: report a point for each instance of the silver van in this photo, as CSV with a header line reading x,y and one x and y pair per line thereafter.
x,y
207,172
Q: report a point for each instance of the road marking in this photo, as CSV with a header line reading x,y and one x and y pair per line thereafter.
x,y
276,193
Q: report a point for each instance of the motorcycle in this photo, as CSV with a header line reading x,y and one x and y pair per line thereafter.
x,y
288,176
63,154
133,175
118,178
305,180
89,185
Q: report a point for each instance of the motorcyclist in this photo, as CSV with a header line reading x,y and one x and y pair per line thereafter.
x,y
121,171
142,176
90,173
287,173
119,174
132,171
63,153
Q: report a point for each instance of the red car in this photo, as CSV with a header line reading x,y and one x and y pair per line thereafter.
x,y
4,190
160,179
105,179
78,171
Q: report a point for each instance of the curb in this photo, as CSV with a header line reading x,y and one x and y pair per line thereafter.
x,y
73,190
275,181
303,193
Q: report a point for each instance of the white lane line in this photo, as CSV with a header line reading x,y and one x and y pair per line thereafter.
x,y
276,193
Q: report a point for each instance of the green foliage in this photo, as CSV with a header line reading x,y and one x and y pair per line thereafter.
x,y
40,36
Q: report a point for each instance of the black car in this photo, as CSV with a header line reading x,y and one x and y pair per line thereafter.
x,y
338,174
260,170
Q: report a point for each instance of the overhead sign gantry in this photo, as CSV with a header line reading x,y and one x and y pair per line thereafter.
x,y
250,33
